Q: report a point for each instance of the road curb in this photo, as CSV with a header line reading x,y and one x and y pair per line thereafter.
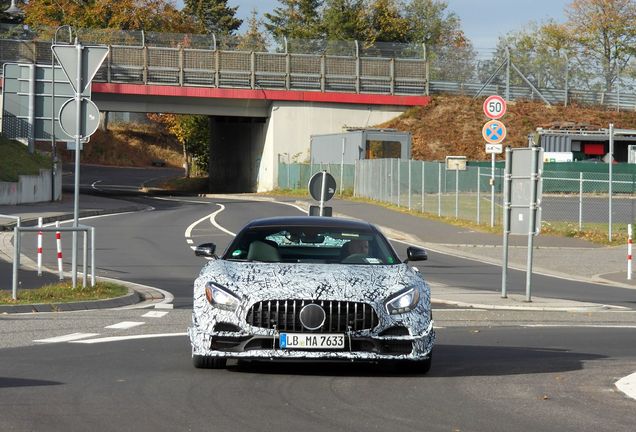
x,y
132,297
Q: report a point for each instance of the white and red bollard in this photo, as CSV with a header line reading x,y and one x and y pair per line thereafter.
x,y
58,241
40,247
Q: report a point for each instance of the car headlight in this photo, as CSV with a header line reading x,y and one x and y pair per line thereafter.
x,y
403,301
221,297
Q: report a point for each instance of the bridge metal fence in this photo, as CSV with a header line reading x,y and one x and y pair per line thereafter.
x,y
572,200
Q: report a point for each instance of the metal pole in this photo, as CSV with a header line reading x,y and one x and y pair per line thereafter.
x,y
391,197
16,259
506,223
629,251
567,77
580,200
439,189
322,192
410,185
423,164
456,194
532,222
507,73
478,195
611,162
85,259
92,256
342,166
31,110
399,180
288,172
78,132
492,190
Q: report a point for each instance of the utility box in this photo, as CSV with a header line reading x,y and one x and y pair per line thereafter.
x,y
357,144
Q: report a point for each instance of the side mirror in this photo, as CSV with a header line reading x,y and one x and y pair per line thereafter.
x,y
205,250
416,254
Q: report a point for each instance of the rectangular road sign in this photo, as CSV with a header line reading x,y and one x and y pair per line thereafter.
x,y
521,185
27,101
494,148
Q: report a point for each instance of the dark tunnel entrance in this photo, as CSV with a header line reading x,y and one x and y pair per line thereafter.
x,y
236,147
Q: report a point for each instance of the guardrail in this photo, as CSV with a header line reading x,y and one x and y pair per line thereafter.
x,y
17,245
222,68
180,66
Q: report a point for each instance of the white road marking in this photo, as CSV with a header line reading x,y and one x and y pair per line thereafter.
x,y
123,338
94,183
67,338
214,222
182,200
610,326
164,306
627,385
125,325
190,241
154,314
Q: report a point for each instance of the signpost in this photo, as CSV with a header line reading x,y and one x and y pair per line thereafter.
x,y
494,132
522,204
322,187
80,64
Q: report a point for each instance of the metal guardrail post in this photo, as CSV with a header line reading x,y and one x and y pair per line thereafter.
x,y
322,73
427,71
287,71
252,70
392,76
145,69
357,68
109,64
217,82
181,71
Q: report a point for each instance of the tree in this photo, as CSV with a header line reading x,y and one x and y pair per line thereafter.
x,y
253,39
295,19
192,132
385,22
344,20
214,15
605,33
430,23
149,15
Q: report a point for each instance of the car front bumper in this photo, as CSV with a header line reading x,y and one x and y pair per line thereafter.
x,y
358,346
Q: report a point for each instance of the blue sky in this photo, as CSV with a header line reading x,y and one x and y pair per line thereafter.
x,y
482,20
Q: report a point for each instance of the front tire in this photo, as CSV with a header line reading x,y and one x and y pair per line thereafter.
x,y
208,362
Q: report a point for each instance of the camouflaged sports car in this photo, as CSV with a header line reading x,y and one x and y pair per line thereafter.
x,y
311,288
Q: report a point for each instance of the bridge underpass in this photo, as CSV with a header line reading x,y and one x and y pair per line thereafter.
x,y
251,129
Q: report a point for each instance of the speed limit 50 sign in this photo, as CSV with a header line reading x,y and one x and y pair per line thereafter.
x,y
495,107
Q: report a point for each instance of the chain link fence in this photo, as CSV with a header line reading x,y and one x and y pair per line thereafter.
x,y
570,200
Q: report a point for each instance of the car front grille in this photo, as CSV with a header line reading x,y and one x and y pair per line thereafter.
x,y
340,315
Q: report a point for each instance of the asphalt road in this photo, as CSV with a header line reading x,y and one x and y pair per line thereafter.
x,y
492,371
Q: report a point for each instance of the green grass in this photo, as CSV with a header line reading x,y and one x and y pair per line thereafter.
x,y
15,160
182,184
592,232
63,292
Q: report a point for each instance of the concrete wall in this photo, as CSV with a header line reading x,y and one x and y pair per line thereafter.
x,y
30,189
291,124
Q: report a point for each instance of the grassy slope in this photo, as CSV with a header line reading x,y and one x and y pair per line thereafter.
x,y
451,125
15,159
129,144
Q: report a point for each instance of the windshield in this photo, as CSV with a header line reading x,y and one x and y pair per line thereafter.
x,y
311,245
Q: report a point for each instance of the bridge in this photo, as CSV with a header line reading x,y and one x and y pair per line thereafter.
x,y
260,104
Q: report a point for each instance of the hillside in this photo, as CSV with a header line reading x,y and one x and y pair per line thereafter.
x,y
451,125
129,144
17,160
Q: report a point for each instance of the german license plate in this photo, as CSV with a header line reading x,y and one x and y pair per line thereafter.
x,y
312,341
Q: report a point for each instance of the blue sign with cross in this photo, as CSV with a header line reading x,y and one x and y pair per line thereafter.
x,y
494,132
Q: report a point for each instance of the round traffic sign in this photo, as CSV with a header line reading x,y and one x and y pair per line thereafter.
x,y
316,186
494,132
495,107
89,118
